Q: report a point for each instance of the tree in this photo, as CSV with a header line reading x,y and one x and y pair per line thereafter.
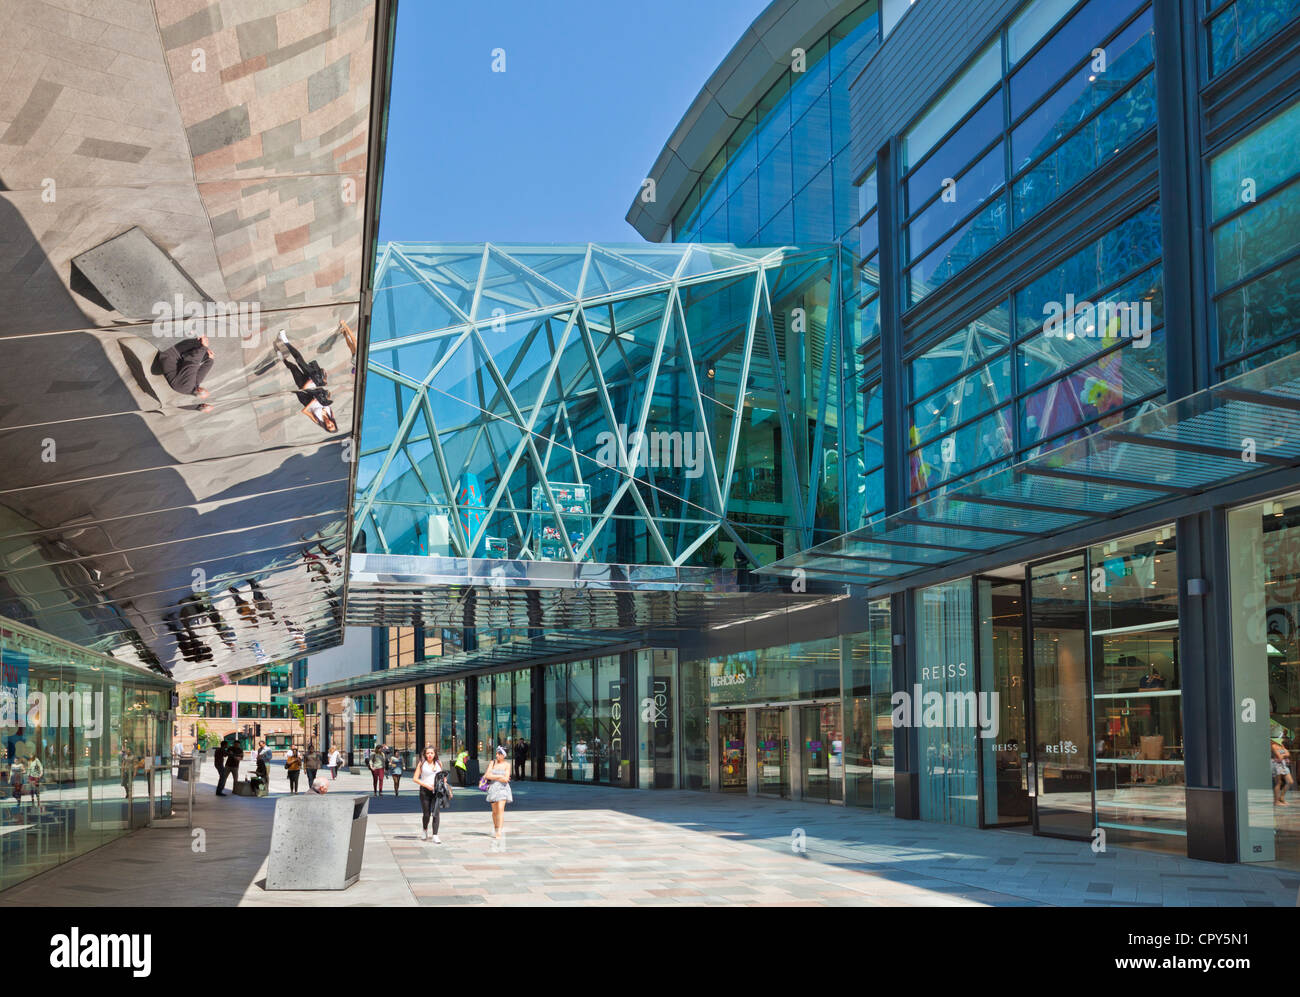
x,y
299,714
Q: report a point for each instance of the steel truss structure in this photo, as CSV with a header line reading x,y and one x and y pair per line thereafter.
x,y
670,404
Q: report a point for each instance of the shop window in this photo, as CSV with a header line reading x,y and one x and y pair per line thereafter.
x,y
1264,565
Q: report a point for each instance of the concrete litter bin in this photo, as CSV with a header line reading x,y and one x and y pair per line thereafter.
x,y
317,842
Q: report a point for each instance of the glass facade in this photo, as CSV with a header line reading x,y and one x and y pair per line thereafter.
x,y
669,404
587,737
1255,199
86,755
1240,27
1079,347
783,175
1045,105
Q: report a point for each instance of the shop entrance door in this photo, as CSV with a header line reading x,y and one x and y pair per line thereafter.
x,y
822,775
732,777
1006,776
773,752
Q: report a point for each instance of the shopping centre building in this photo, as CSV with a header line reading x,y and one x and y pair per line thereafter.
x,y
934,454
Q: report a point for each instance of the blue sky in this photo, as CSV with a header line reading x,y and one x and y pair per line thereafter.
x,y
555,148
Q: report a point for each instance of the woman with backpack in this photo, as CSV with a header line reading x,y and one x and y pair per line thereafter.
x,y
310,379
293,767
434,791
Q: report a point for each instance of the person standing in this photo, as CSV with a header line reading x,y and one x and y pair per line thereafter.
x,y
234,757
263,763
498,790
219,760
336,759
432,781
35,770
395,769
311,762
293,767
377,762
459,765
17,775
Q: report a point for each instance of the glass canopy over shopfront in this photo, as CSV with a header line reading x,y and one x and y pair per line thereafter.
x,y
1237,429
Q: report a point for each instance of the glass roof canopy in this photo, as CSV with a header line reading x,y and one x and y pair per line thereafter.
x,y
1243,427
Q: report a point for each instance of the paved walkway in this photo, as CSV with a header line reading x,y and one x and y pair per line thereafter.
x,y
595,845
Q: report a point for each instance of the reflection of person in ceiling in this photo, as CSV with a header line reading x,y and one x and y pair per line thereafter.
x,y
191,648
318,406
196,605
185,365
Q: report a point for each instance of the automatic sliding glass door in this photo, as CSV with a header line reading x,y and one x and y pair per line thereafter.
x,y
773,752
733,777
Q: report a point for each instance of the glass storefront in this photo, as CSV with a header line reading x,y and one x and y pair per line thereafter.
x,y
585,722
1137,692
86,751
948,762
657,727
823,746
1063,739
1107,701
1264,576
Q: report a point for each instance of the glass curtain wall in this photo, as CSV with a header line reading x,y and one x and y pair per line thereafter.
x,y
82,762
1236,29
783,177
948,762
1264,574
1255,198
868,747
1079,347
1052,99
399,722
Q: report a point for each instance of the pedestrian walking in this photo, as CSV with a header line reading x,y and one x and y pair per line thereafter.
x,y
459,766
497,783
311,762
293,768
395,770
336,759
434,792
377,762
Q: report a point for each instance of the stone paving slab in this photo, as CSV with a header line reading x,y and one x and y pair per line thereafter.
x,y
597,846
